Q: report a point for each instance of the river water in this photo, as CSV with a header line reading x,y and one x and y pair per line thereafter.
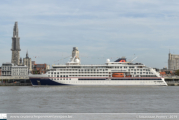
x,y
89,99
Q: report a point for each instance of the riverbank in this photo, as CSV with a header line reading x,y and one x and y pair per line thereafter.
x,y
15,84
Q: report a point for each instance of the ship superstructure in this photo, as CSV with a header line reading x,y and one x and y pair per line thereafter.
x,y
118,72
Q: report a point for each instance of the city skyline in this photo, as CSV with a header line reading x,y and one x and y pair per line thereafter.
x,y
100,29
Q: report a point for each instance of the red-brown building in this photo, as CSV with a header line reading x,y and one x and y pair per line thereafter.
x,y
162,73
166,73
39,68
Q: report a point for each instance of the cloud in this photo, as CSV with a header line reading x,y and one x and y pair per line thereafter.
x,y
148,28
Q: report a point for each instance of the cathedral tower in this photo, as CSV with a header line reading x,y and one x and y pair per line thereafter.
x,y
27,61
15,46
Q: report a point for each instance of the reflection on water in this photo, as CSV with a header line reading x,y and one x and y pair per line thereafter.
x,y
89,99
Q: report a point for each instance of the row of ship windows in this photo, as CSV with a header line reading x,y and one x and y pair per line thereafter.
x,y
83,69
139,70
101,75
58,76
91,79
74,72
75,75
88,67
142,73
97,75
62,79
102,69
87,75
130,67
145,76
77,70
94,72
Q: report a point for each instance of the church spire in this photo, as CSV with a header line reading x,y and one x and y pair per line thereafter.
x,y
15,30
15,38
27,55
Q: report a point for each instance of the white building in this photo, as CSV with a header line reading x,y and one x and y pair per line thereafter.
x,y
6,69
19,70
47,67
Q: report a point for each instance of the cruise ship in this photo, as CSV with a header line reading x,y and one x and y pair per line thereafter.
x,y
119,72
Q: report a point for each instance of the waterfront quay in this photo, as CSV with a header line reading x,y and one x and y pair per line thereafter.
x,y
172,80
14,81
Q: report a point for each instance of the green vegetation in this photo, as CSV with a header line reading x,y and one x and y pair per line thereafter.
x,y
36,72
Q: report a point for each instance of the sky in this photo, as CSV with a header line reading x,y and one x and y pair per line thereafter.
x,y
101,29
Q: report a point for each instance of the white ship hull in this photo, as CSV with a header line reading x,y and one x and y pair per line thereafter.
x,y
91,81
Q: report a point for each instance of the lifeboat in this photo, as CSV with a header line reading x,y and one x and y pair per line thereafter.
x,y
118,75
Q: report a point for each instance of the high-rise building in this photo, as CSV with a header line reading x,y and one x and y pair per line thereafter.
x,y
15,46
173,62
75,53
